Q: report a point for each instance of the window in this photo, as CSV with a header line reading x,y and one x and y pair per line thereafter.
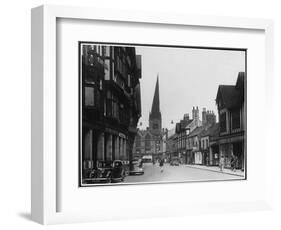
x,y
235,119
108,104
107,51
107,70
104,107
89,96
115,107
223,122
112,53
129,80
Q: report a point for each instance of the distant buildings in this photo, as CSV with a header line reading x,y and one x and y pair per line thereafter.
x,y
194,155
185,131
110,102
207,138
149,141
206,142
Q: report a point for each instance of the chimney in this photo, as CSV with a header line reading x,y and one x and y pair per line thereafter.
x,y
193,113
204,116
186,117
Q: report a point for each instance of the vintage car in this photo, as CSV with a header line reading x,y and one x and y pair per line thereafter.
x,y
147,159
175,161
101,174
136,168
118,172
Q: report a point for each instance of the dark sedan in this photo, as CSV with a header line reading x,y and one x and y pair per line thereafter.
x,y
118,172
136,168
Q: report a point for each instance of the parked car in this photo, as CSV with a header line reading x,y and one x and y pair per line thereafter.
x,y
147,159
118,171
136,168
101,174
175,161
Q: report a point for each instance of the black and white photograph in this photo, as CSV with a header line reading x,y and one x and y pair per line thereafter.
x,y
161,114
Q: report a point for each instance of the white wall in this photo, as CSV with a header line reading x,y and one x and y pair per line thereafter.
x,y
15,111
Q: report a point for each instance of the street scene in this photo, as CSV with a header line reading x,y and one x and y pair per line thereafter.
x,y
161,114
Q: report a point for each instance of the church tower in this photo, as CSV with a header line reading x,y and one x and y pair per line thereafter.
x,y
155,119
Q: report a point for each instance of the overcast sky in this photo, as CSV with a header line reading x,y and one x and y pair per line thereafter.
x,y
187,78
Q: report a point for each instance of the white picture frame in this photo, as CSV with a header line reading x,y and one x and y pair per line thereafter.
x,y
44,182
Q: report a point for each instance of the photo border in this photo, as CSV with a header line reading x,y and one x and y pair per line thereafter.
x,y
80,109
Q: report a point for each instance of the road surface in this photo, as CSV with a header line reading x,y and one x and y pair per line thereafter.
x,y
152,173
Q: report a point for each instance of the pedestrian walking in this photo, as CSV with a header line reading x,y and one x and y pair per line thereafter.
x,y
161,164
235,163
232,162
221,163
141,163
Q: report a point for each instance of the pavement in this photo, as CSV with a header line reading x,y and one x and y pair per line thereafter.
x,y
152,173
217,169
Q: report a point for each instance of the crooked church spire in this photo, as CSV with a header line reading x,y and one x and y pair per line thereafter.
x,y
155,120
155,109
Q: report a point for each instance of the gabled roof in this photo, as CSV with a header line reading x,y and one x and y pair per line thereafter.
x,y
212,130
184,123
181,126
196,131
232,95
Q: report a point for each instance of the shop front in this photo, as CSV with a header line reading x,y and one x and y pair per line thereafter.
x,y
198,158
230,147
214,154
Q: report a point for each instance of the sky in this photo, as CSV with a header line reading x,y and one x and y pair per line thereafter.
x,y
187,77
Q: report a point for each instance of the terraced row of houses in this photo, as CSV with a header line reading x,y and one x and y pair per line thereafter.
x,y
206,141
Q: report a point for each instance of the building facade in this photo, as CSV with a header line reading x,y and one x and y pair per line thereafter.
x,y
182,129
208,146
232,121
188,135
110,103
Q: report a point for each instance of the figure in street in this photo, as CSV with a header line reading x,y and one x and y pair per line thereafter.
x,y
161,164
221,163
232,162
